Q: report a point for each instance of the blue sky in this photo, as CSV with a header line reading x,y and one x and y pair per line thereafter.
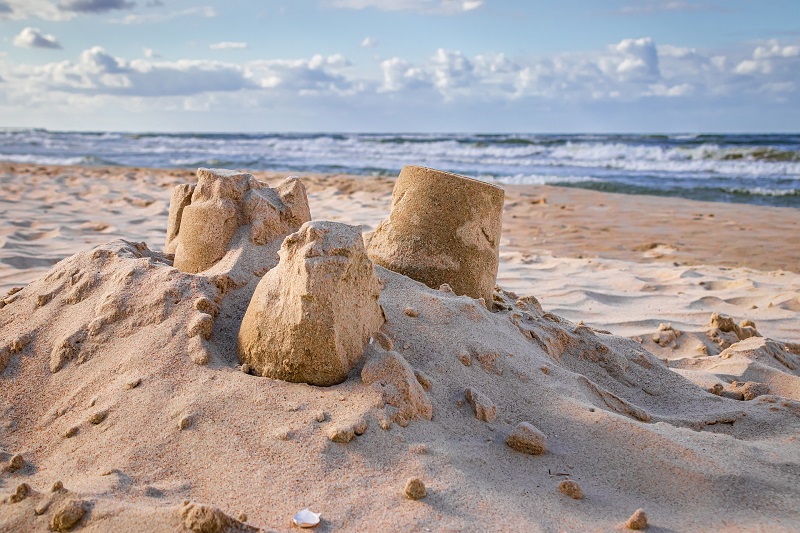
x,y
401,65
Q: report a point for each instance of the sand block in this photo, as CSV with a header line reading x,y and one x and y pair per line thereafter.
x,y
202,225
443,229
312,315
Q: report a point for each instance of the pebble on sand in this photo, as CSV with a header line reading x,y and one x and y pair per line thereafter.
x,y
571,489
637,521
415,489
527,439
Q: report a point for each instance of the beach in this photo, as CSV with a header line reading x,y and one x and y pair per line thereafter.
x,y
662,365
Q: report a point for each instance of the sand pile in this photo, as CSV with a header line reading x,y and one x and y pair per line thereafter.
x,y
122,386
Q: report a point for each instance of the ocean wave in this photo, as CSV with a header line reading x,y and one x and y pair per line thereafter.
x,y
539,179
762,191
750,168
37,159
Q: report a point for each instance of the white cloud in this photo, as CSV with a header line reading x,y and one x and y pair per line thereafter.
x,y
149,53
632,70
34,38
228,45
369,42
445,7
772,59
202,11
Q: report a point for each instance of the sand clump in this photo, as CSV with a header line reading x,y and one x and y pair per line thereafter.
x,y
442,229
482,406
415,489
526,438
207,519
312,315
570,488
393,376
637,521
67,515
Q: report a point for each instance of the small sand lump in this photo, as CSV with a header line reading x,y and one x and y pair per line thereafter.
x,y
15,463
341,433
68,515
637,521
415,489
483,407
98,417
527,439
571,489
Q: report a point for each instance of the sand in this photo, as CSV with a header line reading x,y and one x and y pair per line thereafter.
x,y
599,363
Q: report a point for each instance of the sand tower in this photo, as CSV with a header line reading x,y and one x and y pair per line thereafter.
x,y
311,316
443,228
204,218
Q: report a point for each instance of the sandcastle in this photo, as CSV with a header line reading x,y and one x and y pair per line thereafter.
x,y
312,315
204,218
443,228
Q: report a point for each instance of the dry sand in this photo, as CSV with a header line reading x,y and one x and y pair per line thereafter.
x,y
695,422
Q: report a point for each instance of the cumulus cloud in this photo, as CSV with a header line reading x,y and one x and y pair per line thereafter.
x,y
447,7
632,70
228,45
369,42
34,38
94,6
771,59
99,73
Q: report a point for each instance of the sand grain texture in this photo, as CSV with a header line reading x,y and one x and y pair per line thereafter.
x,y
638,424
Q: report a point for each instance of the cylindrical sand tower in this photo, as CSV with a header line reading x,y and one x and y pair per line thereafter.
x,y
443,228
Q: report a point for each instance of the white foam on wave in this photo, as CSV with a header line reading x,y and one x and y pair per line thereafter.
x,y
538,179
763,191
41,159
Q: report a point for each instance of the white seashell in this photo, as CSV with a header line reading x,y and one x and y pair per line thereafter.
x,y
306,518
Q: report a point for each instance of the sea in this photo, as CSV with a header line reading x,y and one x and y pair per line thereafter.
x,y
742,168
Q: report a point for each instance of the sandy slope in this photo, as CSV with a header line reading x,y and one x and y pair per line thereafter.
x,y
104,338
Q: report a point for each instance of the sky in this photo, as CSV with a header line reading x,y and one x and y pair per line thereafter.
x,y
493,66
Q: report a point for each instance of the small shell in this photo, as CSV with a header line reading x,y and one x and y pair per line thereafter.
x,y
306,518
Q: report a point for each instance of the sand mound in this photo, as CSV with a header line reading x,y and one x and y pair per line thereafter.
x,y
101,390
